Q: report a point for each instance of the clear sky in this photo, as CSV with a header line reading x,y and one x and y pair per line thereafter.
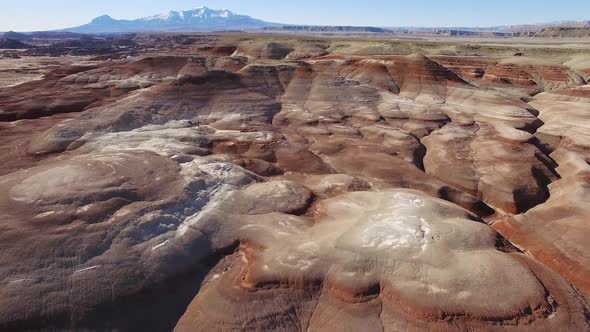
x,y
27,15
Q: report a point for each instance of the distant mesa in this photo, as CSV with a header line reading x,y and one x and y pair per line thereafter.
x,y
328,28
559,31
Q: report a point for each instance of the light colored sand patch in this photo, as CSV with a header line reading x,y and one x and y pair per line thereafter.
x,y
158,246
87,269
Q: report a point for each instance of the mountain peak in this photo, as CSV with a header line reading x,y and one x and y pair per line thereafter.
x,y
199,12
206,11
226,13
197,19
102,19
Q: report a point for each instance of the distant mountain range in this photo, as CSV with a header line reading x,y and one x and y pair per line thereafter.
x,y
198,19
207,19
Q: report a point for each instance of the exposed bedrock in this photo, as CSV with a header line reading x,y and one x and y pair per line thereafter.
x,y
556,232
389,260
296,186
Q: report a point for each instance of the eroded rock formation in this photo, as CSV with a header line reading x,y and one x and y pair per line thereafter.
x,y
259,185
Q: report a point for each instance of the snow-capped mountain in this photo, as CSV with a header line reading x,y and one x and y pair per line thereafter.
x,y
201,13
198,19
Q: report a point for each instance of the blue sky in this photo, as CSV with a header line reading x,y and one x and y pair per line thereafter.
x,y
27,15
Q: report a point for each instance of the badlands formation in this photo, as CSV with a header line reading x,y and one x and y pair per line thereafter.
x,y
298,184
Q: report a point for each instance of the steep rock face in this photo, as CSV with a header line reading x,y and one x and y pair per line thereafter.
x,y
238,189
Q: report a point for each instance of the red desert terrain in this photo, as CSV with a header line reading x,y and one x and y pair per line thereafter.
x,y
243,182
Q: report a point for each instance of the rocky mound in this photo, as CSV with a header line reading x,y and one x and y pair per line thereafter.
x,y
15,36
6,43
